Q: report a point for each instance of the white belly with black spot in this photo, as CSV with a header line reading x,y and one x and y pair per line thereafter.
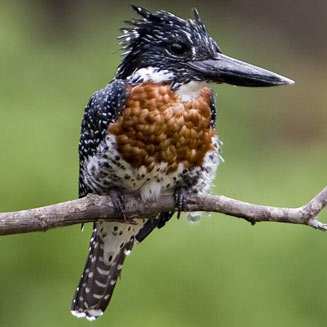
x,y
107,169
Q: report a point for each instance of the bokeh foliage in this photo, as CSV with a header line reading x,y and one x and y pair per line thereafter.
x,y
219,272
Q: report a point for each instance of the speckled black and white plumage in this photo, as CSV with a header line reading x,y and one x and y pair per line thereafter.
x,y
147,43
103,168
102,110
151,131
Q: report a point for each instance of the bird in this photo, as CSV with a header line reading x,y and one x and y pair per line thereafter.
x,y
151,132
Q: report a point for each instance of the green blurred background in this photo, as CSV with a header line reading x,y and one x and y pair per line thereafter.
x,y
219,272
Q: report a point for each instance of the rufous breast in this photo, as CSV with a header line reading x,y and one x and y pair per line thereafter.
x,y
156,127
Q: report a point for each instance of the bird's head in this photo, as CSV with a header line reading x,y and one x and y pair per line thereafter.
x,y
181,51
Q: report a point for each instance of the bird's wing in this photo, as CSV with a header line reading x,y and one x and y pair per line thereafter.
x,y
102,110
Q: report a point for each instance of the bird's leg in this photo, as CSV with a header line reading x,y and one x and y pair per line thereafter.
x,y
180,196
118,201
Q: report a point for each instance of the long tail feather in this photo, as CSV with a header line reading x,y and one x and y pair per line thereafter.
x,y
100,275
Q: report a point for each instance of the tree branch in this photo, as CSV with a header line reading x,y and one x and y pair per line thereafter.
x,y
94,207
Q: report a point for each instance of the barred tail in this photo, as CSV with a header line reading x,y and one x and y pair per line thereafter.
x,y
99,278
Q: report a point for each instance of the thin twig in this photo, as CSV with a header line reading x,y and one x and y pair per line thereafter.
x,y
94,207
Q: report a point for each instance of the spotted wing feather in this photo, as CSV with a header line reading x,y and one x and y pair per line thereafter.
x,y
102,110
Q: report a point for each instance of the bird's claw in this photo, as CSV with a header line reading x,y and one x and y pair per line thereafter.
x,y
180,201
118,201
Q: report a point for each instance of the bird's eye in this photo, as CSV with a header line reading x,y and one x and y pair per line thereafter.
x,y
178,48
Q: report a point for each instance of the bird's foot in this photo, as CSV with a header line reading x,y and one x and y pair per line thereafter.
x,y
180,201
118,201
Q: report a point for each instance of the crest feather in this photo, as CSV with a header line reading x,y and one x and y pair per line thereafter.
x,y
154,30
197,18
142,11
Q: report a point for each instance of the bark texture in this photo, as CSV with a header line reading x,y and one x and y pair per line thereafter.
x,y
94,207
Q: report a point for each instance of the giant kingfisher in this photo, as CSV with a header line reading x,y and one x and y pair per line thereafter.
x,y
149,132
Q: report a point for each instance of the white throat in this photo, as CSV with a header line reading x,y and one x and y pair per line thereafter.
x,y
186,91
151,73
190,90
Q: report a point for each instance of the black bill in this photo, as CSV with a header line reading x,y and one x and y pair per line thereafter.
x,y
225,69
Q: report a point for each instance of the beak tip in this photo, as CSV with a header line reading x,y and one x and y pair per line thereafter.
x,y
284,80
289,81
